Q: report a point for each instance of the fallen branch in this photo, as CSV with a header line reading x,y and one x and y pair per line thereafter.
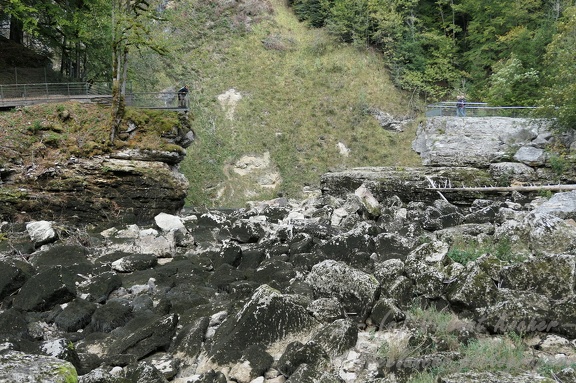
x,y
507,188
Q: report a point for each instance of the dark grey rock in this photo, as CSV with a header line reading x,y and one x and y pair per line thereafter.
x,y
144,372
354,289
134,262
98,288
311,374
477,285
246,231
296,354
337,337
251,258
212,377
514,311
13,326
12,277
188,341
267,317
144,334
274,270
384,312
230,253
255,361
112,315
99,375
301,243
393,246
44,290
553,276
326,310
75,316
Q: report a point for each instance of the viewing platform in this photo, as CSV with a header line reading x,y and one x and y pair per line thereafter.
x,y
15,95
478,109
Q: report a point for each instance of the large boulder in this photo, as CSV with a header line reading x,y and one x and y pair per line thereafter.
x,y
46,289
267,317
426,266
12,276
474,141
553,276
337,337
356,290
561,205
476,285
25,368
144,334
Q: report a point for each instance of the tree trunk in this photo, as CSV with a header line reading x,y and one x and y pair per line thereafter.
x,y
16,30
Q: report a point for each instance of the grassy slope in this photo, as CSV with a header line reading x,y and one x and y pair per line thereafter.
x,y
299,101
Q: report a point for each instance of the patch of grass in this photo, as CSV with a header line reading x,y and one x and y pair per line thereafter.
x,y
558,164
493,354
463,251
38,137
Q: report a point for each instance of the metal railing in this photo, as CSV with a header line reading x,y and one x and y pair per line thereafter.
x,y
27,94
16,94
478,109
157,100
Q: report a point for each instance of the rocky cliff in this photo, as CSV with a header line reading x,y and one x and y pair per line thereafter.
x,y
60,168
495,158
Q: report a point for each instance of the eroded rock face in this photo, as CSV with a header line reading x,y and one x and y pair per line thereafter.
x,y
128,185
473,141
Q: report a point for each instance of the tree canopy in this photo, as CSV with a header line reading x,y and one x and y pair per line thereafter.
x,y
504,52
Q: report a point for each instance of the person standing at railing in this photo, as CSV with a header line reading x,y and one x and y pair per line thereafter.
x,y
461,106
182,93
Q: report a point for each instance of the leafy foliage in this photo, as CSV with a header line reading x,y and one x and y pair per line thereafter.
x,y
493,50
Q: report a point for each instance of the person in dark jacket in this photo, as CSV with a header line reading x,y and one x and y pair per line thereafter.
x,y
461,106
182,93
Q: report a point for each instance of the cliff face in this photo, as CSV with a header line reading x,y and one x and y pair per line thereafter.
x,y
77,178
495,156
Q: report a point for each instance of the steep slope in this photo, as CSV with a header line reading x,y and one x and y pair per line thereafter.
x,y
277,104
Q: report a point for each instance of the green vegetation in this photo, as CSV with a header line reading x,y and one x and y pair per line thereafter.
x,y
429,331
464,251
39,137
310,74
302,94
496,51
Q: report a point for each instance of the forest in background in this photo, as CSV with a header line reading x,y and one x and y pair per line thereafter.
x,y
519,52
503,52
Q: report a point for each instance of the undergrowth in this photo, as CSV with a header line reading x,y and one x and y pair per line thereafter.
x,y
429,332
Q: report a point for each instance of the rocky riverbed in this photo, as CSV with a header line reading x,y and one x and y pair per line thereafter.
x,y
315,291
373,279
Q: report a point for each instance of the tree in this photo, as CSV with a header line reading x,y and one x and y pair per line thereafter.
x,y
131,21
560,73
